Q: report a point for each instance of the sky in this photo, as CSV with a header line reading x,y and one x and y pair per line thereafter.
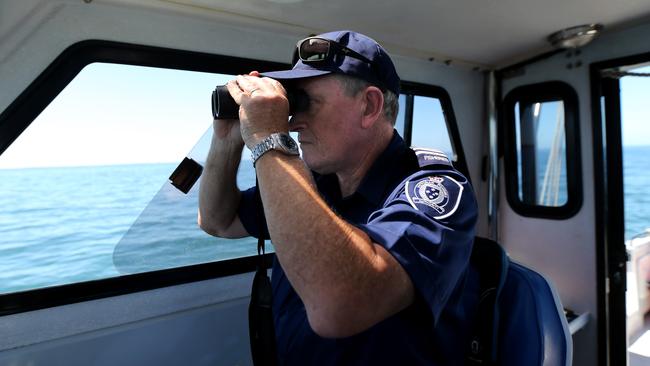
x,y
120,114
635,112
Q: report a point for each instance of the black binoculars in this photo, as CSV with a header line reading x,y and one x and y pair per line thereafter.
x,y
224,107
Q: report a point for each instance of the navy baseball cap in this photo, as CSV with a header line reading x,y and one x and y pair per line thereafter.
x,y
342,52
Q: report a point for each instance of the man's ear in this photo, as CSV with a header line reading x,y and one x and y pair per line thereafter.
x,y
373,106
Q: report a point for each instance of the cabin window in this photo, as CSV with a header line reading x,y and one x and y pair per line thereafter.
x,y
87,209
429,125
85,190
543,150
426,119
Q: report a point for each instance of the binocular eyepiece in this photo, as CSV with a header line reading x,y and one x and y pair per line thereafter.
x,y
224,107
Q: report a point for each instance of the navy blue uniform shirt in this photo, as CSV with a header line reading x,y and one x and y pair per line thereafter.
x,y
425,218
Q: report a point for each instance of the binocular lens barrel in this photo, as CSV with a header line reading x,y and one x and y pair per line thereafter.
x,y
224,107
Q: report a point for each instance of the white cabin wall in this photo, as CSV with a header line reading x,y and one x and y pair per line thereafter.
x,y
564,250
200,323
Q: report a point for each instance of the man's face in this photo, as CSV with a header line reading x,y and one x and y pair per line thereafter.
x,y
328,131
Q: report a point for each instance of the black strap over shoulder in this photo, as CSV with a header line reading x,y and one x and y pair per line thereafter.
x,y
490,263
260,312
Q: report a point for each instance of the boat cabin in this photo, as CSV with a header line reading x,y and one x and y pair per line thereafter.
x,y
543,105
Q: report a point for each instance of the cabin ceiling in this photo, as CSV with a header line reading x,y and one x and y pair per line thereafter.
x,y
492,33
487,34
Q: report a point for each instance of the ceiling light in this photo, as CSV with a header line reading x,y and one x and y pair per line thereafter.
x,y
575,37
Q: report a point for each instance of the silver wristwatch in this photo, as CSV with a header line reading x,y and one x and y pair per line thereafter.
x,y
276,141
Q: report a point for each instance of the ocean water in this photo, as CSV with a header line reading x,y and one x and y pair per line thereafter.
x,y
66,225
636,179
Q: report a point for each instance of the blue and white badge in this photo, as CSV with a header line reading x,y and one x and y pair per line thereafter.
x,y
439,195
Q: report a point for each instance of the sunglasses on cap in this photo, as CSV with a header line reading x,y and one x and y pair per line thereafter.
x,y
316,50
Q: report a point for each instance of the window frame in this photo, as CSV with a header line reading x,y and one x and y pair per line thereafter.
x,y
411,89
47,86
540,93
43,90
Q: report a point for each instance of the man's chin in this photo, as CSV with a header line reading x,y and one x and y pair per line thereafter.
x,y
313,165
310,164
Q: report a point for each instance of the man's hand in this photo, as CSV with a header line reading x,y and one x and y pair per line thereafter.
x,y
218,193
264,107
228,131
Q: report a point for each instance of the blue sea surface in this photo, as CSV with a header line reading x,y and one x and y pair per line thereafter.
x,y
66,225
636,179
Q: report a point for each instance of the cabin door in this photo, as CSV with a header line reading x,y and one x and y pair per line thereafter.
x,y
624,89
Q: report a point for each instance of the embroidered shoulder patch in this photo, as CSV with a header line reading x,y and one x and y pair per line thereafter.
x,y
437,195
428,157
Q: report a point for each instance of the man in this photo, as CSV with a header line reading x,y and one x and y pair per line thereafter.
x,y
371,250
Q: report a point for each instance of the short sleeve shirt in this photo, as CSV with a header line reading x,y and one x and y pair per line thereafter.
x,y
425,218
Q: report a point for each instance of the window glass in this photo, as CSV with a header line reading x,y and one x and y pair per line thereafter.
x,y
429,126
541,153
80,189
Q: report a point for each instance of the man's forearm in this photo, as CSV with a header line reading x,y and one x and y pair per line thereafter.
x,y
218,194
335,267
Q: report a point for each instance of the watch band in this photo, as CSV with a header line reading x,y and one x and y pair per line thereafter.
x,y
276,141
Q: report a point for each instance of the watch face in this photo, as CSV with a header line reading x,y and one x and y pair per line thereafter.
x,y
288,142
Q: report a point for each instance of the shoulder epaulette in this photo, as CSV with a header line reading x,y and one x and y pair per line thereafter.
x,y
430,157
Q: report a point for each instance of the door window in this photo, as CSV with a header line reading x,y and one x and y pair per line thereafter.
x,y
542,150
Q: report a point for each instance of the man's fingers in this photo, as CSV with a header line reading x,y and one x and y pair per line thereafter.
x,y
249,83
235,91
275,84
252,82
245,87
241,87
